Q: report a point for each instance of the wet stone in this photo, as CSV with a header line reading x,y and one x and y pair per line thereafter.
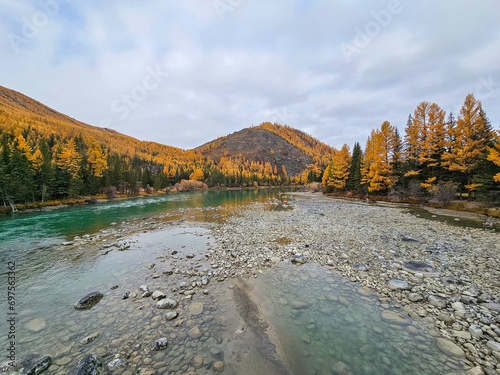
x,y
167,303
88,301
160,344
449,348
32,364
218,366
171,315
88,365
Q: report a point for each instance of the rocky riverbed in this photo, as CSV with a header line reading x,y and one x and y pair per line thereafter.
x,y
180,310
449,276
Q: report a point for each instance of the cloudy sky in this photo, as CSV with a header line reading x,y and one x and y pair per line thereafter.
x,y
184,72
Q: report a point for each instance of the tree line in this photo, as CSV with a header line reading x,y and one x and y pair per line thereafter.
x,y
435,152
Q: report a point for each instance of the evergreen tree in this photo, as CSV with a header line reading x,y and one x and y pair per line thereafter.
x,y
354,180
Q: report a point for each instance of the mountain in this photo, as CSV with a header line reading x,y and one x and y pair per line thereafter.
x,y
275,144
46,155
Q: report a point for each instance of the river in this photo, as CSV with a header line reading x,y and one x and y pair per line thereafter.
x,y
163,242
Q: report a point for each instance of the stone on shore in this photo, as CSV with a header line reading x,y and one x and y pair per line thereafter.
x,y
398,284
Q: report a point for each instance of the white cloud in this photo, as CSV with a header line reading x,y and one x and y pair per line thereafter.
x,y
262,61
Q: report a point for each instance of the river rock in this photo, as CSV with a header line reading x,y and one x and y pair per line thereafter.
x,y
32,364
450,348
218,366
398,284
364,291
196,308
415,297
144,288
298,259
475,331
394,317
493,345
340,368
89,301
491,306
145,371
436,302
197,361
90,338
194,333
167,303
171,315
88,365
475,371
421,267
299,305
160,344
117,364
36,325
157,295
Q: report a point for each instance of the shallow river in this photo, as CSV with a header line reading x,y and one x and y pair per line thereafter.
x,y
289,320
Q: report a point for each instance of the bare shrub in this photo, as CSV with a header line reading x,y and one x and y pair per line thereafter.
x,y
444,192
110,192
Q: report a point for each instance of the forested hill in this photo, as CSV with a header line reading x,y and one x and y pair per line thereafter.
x,y
47,155
271,143
19,114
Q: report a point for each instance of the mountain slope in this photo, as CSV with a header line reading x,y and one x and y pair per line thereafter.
x,y
19,112
276,144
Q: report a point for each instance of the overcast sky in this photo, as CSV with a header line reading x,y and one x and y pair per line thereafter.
x,y
184,72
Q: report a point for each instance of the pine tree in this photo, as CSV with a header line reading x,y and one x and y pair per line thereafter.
x,y
354,180
335,176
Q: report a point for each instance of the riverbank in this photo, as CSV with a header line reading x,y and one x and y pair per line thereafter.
x,y
56,204
448,276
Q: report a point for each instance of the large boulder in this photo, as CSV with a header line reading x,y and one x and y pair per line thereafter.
x,y
89,301
32,364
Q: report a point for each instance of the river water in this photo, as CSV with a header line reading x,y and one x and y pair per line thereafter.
x,y
294,320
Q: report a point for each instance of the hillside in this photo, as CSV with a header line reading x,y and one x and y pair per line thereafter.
x,y
46,155
19,112
275,144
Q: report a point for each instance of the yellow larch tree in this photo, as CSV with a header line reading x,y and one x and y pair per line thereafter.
x,y
97,159
494,155
336,174
69,159
472,135
377,168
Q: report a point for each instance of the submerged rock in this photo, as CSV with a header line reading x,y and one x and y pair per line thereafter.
x,y
90,338
298,259
340,368
160,344
449,348
117,364
32,364
167,303
88,365
89,301
394,317
171,315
